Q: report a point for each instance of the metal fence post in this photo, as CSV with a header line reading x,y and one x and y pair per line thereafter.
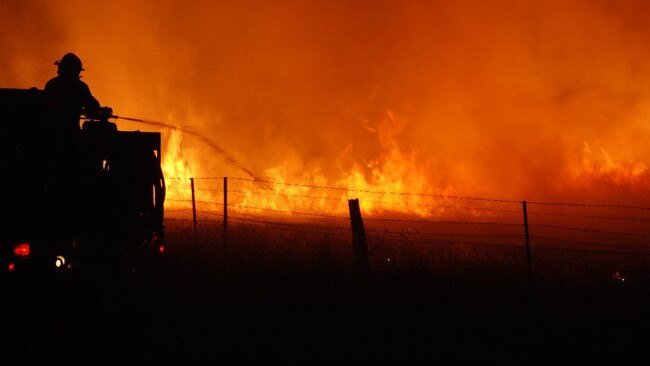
x,y
193,205
226,253
225,209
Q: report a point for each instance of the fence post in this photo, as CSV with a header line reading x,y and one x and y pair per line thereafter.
x,y
224,234
225,219
358,236
225,209
528,260
193,205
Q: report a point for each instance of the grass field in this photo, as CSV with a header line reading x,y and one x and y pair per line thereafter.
x,y
273,295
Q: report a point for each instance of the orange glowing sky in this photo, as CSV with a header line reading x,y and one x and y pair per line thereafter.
x,y
511,99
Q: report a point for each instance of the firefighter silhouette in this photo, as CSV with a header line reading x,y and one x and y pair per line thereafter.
x,y
67,99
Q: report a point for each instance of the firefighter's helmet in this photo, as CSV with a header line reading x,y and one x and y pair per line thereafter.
x,y
69,63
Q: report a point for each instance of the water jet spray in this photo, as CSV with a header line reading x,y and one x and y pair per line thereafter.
x,y
197,135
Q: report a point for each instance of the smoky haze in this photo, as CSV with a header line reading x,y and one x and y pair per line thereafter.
x,y
511,99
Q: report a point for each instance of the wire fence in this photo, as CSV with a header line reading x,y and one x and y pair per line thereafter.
x,y
421,219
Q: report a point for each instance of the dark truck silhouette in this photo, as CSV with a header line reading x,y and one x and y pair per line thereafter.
x,y
101,205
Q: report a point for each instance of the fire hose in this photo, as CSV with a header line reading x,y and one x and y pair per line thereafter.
x,y
198,136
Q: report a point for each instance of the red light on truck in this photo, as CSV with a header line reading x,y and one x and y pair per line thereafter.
x,y
22,250
11,267
161,249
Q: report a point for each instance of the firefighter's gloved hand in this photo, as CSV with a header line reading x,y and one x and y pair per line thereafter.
x,y
90,113
104,113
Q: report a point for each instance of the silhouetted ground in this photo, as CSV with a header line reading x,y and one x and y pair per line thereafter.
x,y
193,308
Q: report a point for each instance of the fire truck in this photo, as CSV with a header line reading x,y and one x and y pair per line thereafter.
x,y
102,204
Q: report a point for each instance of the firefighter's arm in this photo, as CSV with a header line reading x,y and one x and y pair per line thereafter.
x,y
90,105
91,108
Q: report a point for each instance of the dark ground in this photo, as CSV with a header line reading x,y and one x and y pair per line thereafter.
x,y
190,308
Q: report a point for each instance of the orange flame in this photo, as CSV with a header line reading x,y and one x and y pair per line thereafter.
x,y
385,184
483,102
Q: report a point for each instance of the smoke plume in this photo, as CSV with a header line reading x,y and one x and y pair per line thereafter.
x,y
510,99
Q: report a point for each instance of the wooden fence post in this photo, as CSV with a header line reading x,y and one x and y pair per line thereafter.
x,y
528,259
361,261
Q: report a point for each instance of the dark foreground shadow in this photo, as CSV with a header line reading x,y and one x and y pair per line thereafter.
x,y
196,314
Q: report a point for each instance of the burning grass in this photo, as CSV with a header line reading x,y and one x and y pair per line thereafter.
x,y
274,293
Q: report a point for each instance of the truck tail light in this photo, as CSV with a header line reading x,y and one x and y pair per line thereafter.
x,y
22,250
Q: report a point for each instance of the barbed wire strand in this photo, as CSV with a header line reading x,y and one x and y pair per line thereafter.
x,y
288,224
449,242
591,251
407,233
588,243
587,205
468,208
589,230
443,222
378,192
546,203
612,218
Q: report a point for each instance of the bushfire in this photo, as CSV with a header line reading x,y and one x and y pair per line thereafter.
x,y
304,105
